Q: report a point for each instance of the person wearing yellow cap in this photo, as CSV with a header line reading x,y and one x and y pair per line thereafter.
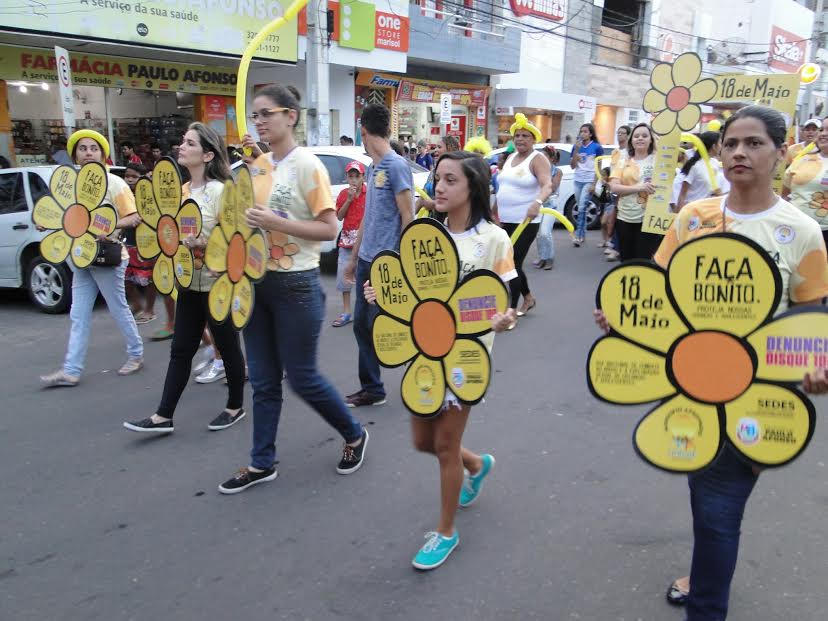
x,y
524,184
87,146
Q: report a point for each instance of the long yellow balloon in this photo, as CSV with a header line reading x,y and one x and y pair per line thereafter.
x,y
597,167
803,153
422,213
544,210
244,66
692,138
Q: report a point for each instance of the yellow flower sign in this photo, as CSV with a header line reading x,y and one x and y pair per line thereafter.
x,y
165,223
431,321
237,252
75,212
701,338
676,94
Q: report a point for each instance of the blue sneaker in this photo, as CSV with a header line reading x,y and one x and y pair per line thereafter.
x,y
473,484
435,551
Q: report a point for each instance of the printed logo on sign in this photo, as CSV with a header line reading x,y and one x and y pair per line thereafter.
x,y
78,251
685,427
457,377
188,226
784,234
236,304
747,431
142,30
477,309
424,379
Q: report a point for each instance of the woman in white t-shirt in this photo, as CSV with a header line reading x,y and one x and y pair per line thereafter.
x,y
204,155
697,184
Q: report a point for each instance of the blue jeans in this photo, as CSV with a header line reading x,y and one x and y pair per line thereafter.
x,y
546,244
364,314
582,200
283,333
717,497
85,286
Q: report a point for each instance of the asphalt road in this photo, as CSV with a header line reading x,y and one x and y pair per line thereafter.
x,y
101,523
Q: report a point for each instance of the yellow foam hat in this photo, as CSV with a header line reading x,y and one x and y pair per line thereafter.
x,y
478,144
87,133
521,122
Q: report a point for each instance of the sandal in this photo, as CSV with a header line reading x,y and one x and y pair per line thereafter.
x,y
144,317
162,335
522,312
676,596
343,320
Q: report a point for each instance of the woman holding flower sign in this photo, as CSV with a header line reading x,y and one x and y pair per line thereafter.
x,y
87,146
203,154
753,145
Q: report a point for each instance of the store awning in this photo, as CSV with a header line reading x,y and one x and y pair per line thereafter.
x,y
542,100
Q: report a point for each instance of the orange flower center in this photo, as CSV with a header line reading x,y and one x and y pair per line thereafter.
x,y
678,98
168,235
433,327
76,221
236,256
712,366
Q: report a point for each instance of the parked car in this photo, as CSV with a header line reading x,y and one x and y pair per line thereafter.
x,y
566,196
49,286
335,159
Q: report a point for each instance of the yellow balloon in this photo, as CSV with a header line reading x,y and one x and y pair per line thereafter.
x,y
545,210
244,65
714,125
809,73
699,145
597,163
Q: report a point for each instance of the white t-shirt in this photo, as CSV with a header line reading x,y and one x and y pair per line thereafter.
x,y
699,181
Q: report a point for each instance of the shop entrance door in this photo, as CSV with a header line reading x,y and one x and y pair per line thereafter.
x,y
457,128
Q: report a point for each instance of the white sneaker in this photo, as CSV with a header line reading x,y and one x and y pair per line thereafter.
x,y
214,373
202,359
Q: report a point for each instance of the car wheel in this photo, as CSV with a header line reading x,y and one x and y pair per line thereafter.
x,y
49,286
593,214
328,261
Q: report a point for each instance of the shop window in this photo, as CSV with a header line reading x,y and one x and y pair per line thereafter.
x,y
12,194
619,42
37,187
336,167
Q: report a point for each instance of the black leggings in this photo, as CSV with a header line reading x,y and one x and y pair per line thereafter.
x,y
519,286
633,244
190,315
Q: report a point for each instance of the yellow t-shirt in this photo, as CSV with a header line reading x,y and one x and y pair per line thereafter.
x,y
297,188
630,171
793,241
807,180
122,199
485,247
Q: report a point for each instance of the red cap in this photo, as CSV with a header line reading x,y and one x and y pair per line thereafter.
x,y
357,166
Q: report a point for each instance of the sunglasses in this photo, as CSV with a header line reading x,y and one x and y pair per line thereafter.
x,y
266,113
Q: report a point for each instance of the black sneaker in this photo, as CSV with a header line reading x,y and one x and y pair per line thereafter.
x,y
352,456
244,479
363,398
147,426
225,420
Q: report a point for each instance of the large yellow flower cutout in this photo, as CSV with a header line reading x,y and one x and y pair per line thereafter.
x,y
676,94
700,338
74,212
432,321
237,252
165,223
819,203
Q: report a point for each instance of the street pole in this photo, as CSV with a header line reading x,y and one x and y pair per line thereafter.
x,y
816,44
318,75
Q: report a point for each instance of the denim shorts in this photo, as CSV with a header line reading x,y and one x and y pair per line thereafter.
x,y
341,262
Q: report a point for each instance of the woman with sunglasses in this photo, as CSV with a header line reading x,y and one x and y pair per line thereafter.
x,y
294,207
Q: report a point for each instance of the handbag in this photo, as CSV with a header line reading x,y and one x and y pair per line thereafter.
x,y
109,253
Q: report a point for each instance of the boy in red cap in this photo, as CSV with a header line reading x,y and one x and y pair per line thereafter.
x,y
350,207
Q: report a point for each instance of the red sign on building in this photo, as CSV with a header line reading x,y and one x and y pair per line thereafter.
x,y
787,50
545,9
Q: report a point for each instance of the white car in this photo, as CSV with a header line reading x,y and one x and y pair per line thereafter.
x,y
49,286
566,196
335,159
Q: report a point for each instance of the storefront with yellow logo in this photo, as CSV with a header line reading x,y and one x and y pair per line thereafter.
x,y
415,106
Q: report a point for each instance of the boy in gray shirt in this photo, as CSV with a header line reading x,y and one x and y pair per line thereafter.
x,y
388,209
